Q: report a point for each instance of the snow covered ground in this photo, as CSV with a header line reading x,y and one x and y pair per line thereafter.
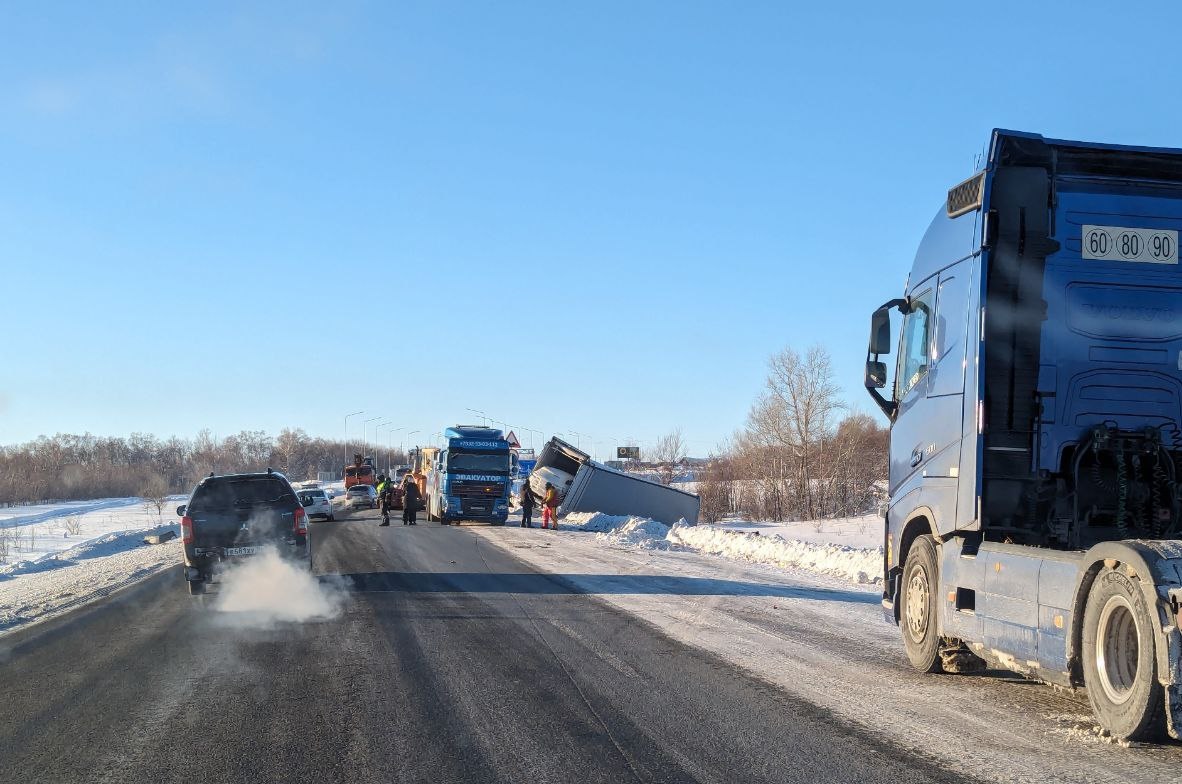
x,y
824,638
841,548
54,557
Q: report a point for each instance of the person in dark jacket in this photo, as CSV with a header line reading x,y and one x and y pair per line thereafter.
x,y
527,506
410,500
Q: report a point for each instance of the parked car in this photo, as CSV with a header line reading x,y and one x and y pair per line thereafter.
x,y
317,504
361,495
236,516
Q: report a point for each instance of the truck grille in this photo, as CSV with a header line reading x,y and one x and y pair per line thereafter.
x,y
478,497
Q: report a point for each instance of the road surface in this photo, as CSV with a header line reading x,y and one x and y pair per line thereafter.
x,y
451,661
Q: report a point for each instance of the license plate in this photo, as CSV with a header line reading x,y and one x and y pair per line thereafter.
x,y
1115,243
237,551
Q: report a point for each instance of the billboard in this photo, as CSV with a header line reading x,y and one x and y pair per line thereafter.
x,y
628,452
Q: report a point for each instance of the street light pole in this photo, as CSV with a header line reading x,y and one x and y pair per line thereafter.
x,y
363,424
408,435
483,416
346,460
378,441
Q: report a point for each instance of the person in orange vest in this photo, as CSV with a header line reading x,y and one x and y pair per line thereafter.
x,y
549,507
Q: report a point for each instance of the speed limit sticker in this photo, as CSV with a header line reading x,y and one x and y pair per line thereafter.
x,y
1113,243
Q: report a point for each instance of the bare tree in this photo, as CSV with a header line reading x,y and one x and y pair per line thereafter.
x,y
72,525
155,495
668,453
794,419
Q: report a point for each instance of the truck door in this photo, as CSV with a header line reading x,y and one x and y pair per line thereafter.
x,y
909,432
944,426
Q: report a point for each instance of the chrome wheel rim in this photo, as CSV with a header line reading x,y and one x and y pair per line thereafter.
x,y
1118,649
917,603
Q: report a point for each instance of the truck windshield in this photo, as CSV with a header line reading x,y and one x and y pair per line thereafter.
x,y
478,462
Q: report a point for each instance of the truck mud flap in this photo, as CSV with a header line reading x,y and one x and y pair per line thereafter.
x,y
1173,640
1167,577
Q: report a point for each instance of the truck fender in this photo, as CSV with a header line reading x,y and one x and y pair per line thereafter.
x,y
1156,567
918,523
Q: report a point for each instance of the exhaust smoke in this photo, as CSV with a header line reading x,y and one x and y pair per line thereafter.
x,y
268,590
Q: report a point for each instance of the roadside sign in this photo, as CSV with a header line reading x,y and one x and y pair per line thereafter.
x,y
512,439
628,452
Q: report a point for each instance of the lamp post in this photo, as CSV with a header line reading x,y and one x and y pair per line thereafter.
x,y
390,445
378,441
363,424
408,435
482,415
345,462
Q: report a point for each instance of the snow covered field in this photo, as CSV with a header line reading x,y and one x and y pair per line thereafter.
x,y
54,557
824,638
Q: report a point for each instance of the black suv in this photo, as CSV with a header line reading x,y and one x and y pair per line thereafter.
x,y
237,516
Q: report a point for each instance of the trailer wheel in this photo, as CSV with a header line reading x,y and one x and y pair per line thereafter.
x,y
921,586
1120,660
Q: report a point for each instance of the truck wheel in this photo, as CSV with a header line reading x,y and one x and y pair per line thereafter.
x,y
196,587
921,586
1120,660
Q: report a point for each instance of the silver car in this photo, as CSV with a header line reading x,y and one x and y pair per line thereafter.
x,y
361,495
317,504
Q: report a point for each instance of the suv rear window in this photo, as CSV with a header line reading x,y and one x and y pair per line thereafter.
x,y
215,494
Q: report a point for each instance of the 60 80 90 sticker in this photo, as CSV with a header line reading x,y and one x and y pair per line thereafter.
x,y
1116,243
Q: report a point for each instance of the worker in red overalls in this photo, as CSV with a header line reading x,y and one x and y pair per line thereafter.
x,y
550,507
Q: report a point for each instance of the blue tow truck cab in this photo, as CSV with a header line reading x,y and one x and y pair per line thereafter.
x,y
1036,427
471,477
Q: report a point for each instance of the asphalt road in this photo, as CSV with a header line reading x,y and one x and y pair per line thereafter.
x,y
451,661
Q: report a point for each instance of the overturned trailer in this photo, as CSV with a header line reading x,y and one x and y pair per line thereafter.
x,y
587,486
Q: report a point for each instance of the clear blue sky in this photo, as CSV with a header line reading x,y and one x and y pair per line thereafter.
x,y
600,219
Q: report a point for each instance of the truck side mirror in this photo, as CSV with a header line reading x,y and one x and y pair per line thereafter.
x,y
180,510
876,374
880,343
880,332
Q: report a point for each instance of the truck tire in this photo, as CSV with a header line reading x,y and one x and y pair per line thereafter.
x,y
196,587
1120,659
919,593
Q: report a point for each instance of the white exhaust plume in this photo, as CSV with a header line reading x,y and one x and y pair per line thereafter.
x,y
267,590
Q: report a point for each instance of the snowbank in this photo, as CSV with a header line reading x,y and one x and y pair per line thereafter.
x,y
857,564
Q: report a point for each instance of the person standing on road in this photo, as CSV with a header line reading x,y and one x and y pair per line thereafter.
x,y
527,506
549,507
410,500
386,501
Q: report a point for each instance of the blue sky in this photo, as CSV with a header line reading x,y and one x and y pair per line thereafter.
x,y
599,219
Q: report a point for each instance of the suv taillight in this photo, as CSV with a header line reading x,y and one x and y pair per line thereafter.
x,y
186,530
301,521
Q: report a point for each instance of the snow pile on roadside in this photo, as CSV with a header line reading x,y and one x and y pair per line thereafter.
x,y
618,529
99,547
857,564
38,595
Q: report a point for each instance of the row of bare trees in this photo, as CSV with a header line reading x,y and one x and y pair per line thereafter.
x,y
801,455
66,466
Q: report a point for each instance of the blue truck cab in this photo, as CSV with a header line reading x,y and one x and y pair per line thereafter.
x,y
1036,427
471,477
